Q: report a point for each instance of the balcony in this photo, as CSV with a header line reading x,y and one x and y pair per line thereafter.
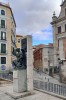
x,y
57,52
61,35
3,53
3,40
3,27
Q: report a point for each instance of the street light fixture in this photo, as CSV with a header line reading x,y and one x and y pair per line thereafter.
x,y
60,71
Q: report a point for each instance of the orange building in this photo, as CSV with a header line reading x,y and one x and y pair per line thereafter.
x,y
7,36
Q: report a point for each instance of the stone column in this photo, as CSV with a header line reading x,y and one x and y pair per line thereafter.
x,y
29,64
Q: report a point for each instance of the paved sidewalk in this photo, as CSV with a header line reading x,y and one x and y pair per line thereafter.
x,y
37,96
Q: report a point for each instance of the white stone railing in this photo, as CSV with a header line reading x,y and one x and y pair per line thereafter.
x,y
61,35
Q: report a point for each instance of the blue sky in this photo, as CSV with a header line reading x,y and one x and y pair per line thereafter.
x,y
44,36
34,17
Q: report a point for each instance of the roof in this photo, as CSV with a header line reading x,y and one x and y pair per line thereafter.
x,y
50,44
8,6
38,46
41,46
19,35
63,2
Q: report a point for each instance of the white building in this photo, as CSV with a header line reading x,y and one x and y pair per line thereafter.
x,y
59,37
47,56
43,57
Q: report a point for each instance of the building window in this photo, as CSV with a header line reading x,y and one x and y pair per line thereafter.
x,y
3,48
2,23
65,27
58,44
46,69
65,11
18,40
2,12
3,60
45,59
3,35
59,29
13,51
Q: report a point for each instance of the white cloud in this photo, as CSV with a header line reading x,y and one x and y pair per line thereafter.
x,y
33,15
42,35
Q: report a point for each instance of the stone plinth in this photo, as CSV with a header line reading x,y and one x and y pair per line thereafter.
x,y
20,80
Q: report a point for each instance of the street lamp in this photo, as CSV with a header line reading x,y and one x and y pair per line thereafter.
x,y
60,71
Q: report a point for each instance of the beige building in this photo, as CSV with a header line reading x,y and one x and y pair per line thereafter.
x,y
7,36
18,41
59,38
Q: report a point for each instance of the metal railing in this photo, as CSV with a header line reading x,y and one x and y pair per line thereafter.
x,y
3,39
50,87
46,86
6,75
3,53
3,27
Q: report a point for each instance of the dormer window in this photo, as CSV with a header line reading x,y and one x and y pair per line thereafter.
x,y
2,12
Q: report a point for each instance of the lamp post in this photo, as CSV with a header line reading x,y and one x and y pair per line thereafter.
x,y
60,71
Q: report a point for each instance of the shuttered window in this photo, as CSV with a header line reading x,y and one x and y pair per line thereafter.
x,y
3,48
3,60
3,35
2,23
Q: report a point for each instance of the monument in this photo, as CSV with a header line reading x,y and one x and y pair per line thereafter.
x,y
23,67
20,62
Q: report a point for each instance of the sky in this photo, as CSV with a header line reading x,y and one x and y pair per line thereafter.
x,y
33,17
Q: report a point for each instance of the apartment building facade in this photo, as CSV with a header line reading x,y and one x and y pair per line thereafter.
x,y
59,38
43,57
7,36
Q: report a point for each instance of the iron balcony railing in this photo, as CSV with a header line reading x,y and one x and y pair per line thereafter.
x,y
3,27
3,53
61,35
3,39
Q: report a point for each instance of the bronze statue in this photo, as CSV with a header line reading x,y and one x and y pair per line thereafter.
x,y
20,62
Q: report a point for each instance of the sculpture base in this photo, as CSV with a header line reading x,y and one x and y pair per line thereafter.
x,y
20,81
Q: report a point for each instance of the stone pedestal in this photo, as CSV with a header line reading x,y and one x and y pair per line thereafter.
x,y
20,80
23,79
